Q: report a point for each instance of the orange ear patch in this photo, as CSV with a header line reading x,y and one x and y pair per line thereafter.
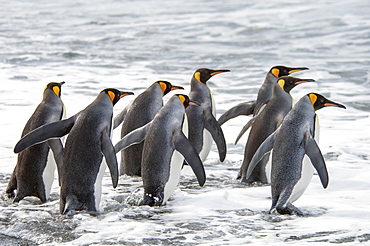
x,y
313,98
56,90
163,86
275,72
197,76
182,98
281,83
111,95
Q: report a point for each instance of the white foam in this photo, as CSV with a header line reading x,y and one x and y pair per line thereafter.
x,y
129,45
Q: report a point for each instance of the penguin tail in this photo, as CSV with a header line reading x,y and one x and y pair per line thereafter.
x,y
12,185
72,205
21,194
10,193
289,209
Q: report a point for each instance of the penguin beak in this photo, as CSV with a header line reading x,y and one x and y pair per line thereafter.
x,y
125,93
296,69
193,103
219,71
304,81
329,103
176,87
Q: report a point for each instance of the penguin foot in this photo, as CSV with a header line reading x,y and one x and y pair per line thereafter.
x,y
10,194
249,183
70,213
289,209
151,200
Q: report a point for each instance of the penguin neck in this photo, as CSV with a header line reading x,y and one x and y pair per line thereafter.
x,y
50,97
199,92
104,99
172,107
195,82
278,91
305,108
156,89
281,97
270,79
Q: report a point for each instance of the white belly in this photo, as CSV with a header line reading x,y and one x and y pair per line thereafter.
x,y
207,137
207,145
304,181
48,174
98,184
175,172
268,168
49,171
307,170
177,161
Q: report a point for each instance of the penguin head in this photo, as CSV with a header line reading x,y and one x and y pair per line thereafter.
x,y
185,100
319,101
202,75
287,83
279,71
115,94
55,87
167,86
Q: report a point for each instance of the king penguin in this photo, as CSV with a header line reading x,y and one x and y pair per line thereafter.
x,y
138,113
203,127
88,140
263,96
266,122
162,163
291,171
33,174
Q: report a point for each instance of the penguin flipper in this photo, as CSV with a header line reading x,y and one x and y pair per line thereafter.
x,y
211,124
245,128
263,150
45,132
134,137
110,157
250,123
184,146
245,108
261,107
315,155
120,117
57,148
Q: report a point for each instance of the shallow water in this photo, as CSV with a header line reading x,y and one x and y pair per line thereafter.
x,y
131,44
